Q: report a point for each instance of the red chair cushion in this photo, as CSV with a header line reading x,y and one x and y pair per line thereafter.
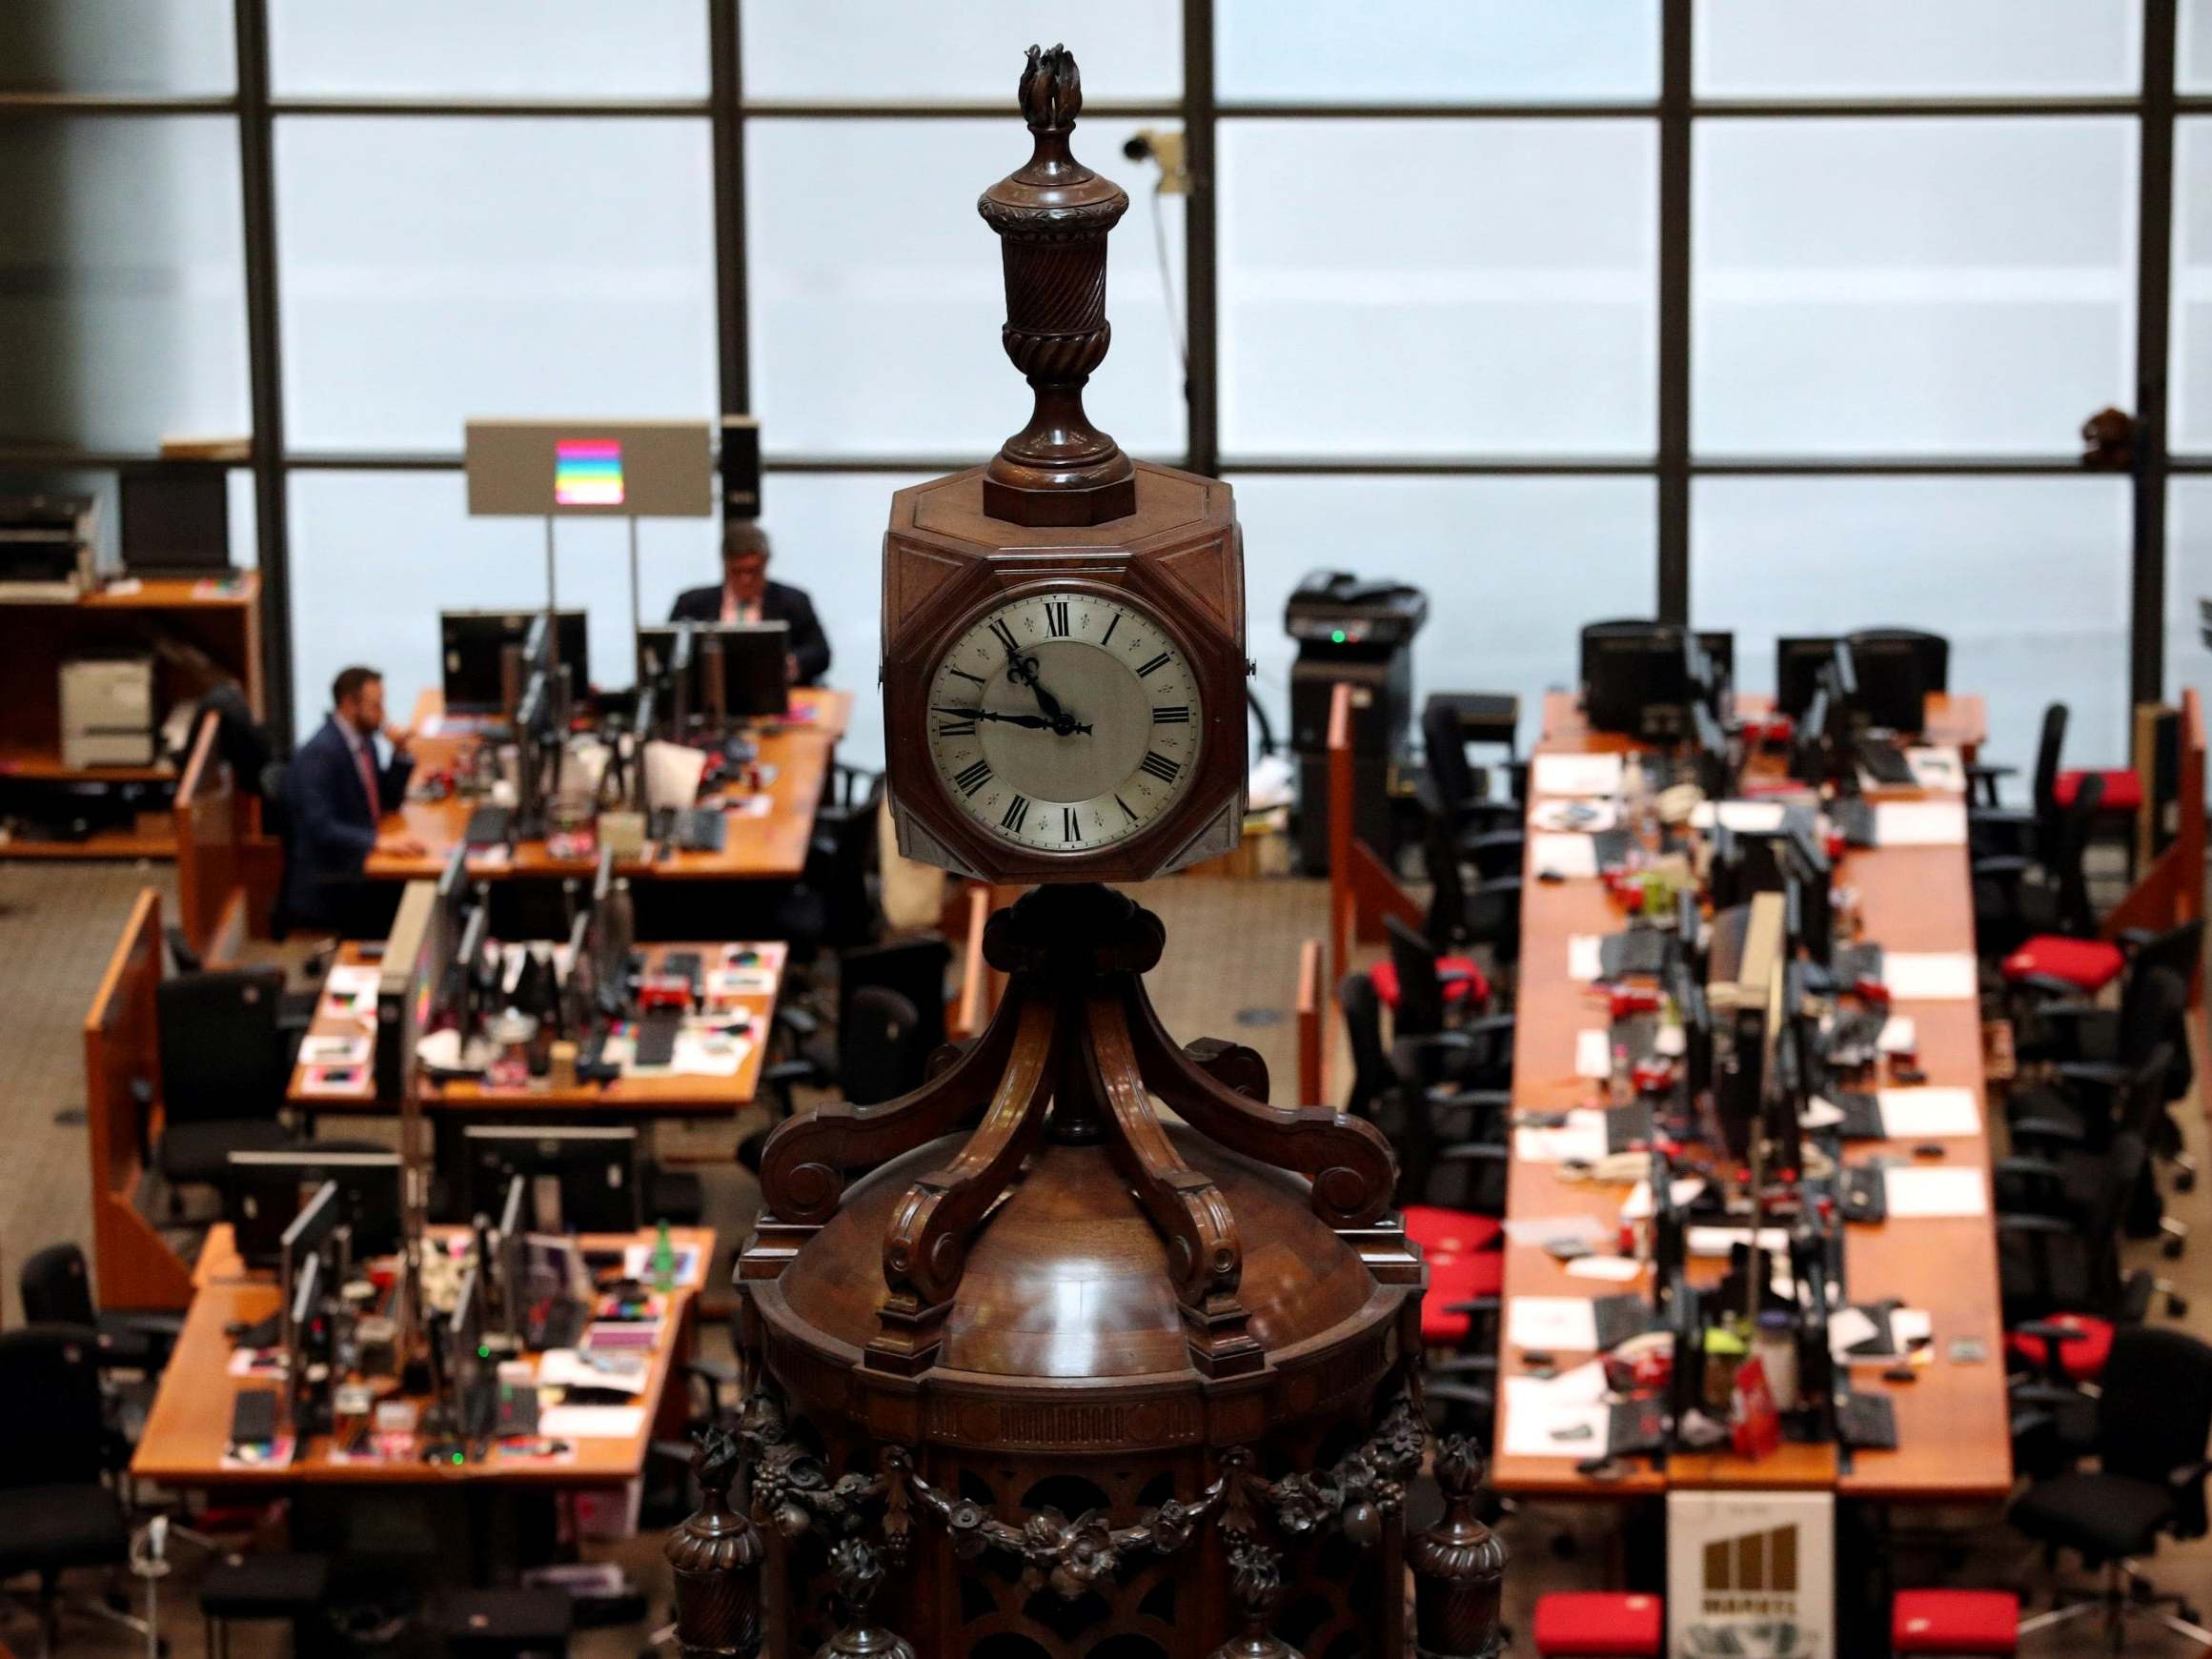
x,y
1599,1623
2080,1361
1955,1620
1463,981
2088,965
2122,789
1464,1263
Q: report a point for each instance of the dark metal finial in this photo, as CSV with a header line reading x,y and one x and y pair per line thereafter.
x,y
1255,1581
1051,89
858,1568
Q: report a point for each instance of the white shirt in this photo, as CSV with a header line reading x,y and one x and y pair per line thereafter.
x,y
733,612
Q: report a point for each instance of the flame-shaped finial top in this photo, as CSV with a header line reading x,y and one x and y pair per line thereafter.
x,y
1051,89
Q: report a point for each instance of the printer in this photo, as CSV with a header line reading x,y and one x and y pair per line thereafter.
x,y
106,711
1347,627
46,548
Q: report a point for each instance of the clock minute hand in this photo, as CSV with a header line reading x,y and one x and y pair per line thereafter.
x,y
1028,723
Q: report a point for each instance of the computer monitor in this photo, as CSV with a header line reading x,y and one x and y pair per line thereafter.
x,y
743,671
1635,679
582,1178
1809,877
1799,660
1894,672
1715,764
266,1193
472,645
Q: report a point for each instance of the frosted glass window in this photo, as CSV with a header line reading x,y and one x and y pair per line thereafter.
x,y
2188,580
1437,51
2191,415
376,555
547,49
843,50
877,292
122,280
1512,313
1899,286
432,270
1513,568
1917,47
117,46
2027,576
2194,48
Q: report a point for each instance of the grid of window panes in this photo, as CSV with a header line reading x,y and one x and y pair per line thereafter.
x,y
1436,248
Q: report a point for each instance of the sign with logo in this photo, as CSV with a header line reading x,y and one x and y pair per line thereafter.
x,y
1750,1575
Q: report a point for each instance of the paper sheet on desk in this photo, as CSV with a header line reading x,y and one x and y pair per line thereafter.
x,y
1898,1035
1588,818
1913,1193
1562,1416
1585,957
1551,1324
582,764
1919,823
697,1053
337,1048
1569,855
353,978
1613,1269
567,1368
638,1262
1575,775
1930,976
672,774
591,1422
1929,1114
1937,768
1715,1242
1744,817
1582,1137
1593,1054
1638,1205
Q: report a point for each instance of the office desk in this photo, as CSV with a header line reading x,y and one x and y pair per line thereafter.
x,y
1957,720
643,1097
771,847
1953,1435
188,1432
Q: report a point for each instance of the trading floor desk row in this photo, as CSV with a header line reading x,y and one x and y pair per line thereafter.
x,y
1916,900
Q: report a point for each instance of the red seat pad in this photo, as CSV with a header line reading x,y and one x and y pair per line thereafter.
x,y
2081,1361
1463,981
1955,1620
2088,965
1599,1624
2122,789
1464,1263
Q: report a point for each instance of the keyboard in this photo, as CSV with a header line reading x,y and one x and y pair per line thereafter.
x,y
1886,765
1639,951
1611,848
1619,1319
699,829
1854,821
1862,1195
490,826
1866,1423
1627,1127
564,1324
1861,1117
1850,964
1635,1428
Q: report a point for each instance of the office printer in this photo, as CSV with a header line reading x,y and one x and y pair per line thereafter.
x,y
46,548
1347,627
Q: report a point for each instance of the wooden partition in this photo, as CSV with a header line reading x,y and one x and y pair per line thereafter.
x,y
981,986
134,1267
1312,1027
213,829
2170,891
1362,891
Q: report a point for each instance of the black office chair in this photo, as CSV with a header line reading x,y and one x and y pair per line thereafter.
x,y
56,1511
225,1065
882,1046
1454,789
2018,899
2154,1417
839,905
1486,919
1930,651
1424,989
57,1289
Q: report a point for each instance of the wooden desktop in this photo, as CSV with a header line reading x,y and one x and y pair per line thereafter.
x,y
770,847
1954,1441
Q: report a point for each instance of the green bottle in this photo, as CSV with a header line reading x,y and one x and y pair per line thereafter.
x,y
663,1261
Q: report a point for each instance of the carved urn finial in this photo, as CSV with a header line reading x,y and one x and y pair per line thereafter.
x,y
1255,1582
858,1572
1459,1566
1052,218
717,1556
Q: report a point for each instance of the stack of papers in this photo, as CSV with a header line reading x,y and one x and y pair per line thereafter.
x,y
1593,1054
1585,957
1913,1193
1579,775
1581,1138
1937,769
1568,855
1562,1416
1929,1114
1550,1324
1919,823
1930,976
1744,817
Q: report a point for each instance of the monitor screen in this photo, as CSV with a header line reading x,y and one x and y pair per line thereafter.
x,y
470,644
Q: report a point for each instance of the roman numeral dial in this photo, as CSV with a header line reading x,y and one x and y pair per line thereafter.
x,y
1064,721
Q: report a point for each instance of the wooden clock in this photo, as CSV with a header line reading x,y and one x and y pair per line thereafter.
x,y
1063,628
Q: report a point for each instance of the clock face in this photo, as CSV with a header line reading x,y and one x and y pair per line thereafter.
x,y
1065,722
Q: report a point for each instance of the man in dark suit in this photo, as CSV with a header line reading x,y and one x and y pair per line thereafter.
x,y
746,595
338,795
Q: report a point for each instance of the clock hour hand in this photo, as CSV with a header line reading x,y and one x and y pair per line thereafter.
x,y
1023,671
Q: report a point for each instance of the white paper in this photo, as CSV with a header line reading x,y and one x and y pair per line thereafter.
x,y
1613,1269
1744,817
1585,957
567,1368
591,1422
699,1051
1718,1241
1820,1114
1542,1231
1583,816
353,978
1929,1114
1566,855
638,1262
1898,1035
1593,1054
1936,1192
1637,1207
1550,1324
1937,769
1847,1328
347,1049
1930,976
1919,823
672,774
1577,774
583,762
1536,1416
1582,1138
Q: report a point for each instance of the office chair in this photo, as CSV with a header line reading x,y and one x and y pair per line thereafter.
x,y
842,908
2033,916
56,1289
2058,1265
883,1048
2153,1419
225,1065
2077,1142
1599,1625
1423,988
1983,1624
56,1513
1455,788
1487,919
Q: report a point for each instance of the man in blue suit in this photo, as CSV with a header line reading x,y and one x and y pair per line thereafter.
x,y
337,794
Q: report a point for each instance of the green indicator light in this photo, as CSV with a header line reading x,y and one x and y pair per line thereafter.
x,y
1337,636
457,1458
